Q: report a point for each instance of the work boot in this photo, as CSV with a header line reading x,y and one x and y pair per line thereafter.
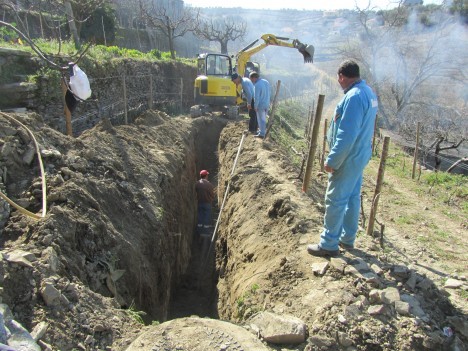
x,y
346,246
316,250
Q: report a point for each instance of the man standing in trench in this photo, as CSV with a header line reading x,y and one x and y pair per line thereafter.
x,y
262,102
248,89
205,197
350,141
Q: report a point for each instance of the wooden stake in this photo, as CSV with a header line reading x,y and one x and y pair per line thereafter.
x,y
375,132
124,88
378,186
313,143
415,158
150,97
181,93
68,115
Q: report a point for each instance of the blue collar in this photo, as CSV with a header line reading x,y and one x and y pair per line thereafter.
x,y
352,85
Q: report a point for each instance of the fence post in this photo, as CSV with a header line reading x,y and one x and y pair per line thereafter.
x,y
313,143
150,97
415,158
324,145
124,87
66,110
306,128
375,132
103,30
273,108
378,186
181,94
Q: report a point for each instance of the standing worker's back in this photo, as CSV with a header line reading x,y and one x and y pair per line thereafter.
x,y
205,197
350,141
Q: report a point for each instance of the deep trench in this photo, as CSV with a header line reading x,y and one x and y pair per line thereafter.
x,y
196,291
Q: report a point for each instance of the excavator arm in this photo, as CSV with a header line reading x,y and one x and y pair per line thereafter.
x,y
244,55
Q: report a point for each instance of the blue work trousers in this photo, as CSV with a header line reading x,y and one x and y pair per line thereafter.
x,y
261,118
342,203
204,213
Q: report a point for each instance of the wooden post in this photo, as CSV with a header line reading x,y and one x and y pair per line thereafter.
x,y
181,93
378,186
71,23
415,158
68,124
273,109
40,23
103,30
373,138
124,88
313,143
324,145
311,124
150,97
306,129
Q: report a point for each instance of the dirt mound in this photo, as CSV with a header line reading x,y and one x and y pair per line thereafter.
x,y
197,334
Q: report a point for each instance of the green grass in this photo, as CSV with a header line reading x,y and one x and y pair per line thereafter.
x,y
96,52
405,220
463,294
443,235
424,239
136,315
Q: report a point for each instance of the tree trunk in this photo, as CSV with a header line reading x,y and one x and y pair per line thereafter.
x,y
438,161
224,44
171,44
71,23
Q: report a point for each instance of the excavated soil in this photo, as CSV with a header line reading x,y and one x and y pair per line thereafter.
x,y
119,238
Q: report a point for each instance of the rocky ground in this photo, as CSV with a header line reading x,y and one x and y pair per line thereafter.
x,y
118,239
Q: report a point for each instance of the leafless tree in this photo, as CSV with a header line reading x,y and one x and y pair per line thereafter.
x,y
404,61
170,17
221,30
442,143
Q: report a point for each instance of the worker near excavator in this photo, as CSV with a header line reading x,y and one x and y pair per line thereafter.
x,y
248,89
262,101
205,197
350,141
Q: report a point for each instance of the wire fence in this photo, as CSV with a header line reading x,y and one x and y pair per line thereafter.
x,y
122,98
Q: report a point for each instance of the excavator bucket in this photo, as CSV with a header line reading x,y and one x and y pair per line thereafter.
x,y
308,52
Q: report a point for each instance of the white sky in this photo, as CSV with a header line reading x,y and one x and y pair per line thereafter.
x,y
299,4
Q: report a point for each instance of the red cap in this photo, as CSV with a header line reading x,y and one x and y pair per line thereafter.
x,y
203,173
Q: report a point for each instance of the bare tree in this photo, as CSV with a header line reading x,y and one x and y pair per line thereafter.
x,y
401,59
172,18
221,30
442,143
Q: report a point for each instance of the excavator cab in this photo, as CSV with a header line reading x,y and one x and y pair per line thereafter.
x,y
213,88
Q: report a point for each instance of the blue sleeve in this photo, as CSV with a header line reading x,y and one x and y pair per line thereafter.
x,y
248,88
348,129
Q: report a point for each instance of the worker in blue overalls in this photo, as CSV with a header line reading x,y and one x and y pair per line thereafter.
x,y
350,141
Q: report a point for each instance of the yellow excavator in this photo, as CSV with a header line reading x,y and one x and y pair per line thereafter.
x,y
213,88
